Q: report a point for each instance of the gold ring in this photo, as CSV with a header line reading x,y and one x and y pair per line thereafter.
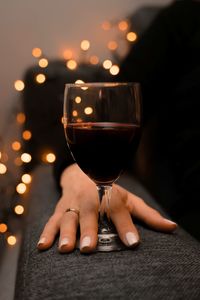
x,y
76,211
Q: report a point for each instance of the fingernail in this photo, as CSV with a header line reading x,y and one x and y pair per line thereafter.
x,y
171,222
41,241
64,242
86,241
131,238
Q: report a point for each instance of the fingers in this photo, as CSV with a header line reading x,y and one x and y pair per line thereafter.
x,y
50,230
125,227
148,215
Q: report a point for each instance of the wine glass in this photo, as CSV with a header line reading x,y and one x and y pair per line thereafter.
x,y
102,125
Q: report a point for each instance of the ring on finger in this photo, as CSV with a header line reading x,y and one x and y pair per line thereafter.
x,y
74,210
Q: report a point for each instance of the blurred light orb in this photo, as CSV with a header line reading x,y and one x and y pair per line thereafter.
x,y
11,240
21,188
107,64
19,209
67,54
78,99
36,52
3,227
26,135
112,45
16,146
106,25
3,169
19,85
123,25
26,157
71,64
114,70
88,110
43,62
50,157
74,113
20,118
131,36
18,161
94,60
26,178
40,78
85,45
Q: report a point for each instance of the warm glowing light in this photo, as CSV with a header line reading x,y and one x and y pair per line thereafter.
x,y
40,78
11,240
112,45
19,209
43,62
16,146
36,52
18,161
75,113
26,135
71,64
50,157
106,25
79,120
88,110
107,64
19,85
26,157
67,54
131,36
3,168
123,25
114,70
78,99
26,178
3,227
79,81
85,45
21,188
21,118
94,60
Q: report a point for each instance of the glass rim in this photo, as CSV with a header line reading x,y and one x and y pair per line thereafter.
x,y
101,84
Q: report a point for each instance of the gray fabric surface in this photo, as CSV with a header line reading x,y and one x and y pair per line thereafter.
x,y
164,266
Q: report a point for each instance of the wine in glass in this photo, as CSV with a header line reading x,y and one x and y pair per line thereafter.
x,y
102,125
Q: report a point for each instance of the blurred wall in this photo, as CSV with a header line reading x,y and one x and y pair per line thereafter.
x,y
52,25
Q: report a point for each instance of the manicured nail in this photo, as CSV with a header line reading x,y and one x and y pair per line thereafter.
x,y
41,241
64,242
86,241
171,222
131,238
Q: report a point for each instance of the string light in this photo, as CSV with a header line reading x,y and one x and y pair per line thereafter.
x,y
43,62
40,78
107,64
71,64
36,52
11,240
85,45
3,169
20,118
3,227
21,188
26,178
114,70
26,157
19,209
26,135
131,36
19,85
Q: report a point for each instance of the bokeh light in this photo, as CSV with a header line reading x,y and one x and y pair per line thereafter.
x,y
78,99
26,157
131,36
43,62
123,25
19,209
67,54
88,110
114,70
36,52
19,85
26,135
21,188
3,169
85,45
26,178
74,113
112,45
40,78
20,118
71,64
107,64
11,240
16,146
106,25
50,157
3,227
94,60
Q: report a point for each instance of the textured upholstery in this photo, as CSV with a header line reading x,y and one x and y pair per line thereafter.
x,y
164,266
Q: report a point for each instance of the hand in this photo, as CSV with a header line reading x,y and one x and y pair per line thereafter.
x,y
79,192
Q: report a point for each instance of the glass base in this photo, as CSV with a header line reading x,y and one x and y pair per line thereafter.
x,y
108,242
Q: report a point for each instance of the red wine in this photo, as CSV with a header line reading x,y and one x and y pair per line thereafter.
x,y
102,149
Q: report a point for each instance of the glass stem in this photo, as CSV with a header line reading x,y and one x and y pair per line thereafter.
x,y
104,192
